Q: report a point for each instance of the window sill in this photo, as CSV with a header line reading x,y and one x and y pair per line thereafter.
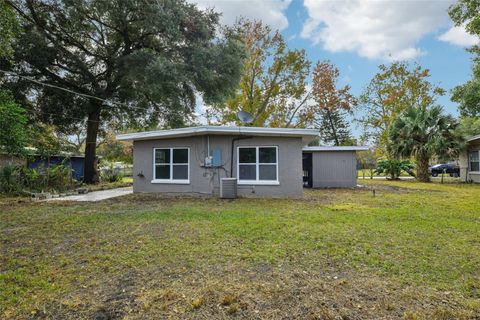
x,y
157,181
474,172
259,183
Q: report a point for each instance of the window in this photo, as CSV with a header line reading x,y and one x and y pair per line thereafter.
x,y
474,161
171,165
257,165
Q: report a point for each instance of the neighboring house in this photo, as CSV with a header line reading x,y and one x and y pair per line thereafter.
x,y
77,163
470,161
330,167
265,161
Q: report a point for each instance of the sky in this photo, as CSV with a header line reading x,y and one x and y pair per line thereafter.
x,y
358,35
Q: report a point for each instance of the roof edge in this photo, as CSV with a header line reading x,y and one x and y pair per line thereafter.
x,y
335,148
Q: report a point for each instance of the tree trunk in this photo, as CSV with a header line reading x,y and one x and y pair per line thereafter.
x,y
422,168
90,170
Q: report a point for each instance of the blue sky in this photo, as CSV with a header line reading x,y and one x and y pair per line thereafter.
x,y
358,35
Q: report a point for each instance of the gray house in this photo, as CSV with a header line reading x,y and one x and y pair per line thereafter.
x,y
470,161
249,161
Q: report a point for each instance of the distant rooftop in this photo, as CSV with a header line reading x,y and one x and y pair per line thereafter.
x,y
307,135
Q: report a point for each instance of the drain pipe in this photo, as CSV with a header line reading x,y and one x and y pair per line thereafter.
x,y
231,153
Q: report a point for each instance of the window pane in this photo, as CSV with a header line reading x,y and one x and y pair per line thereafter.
x,y
247,155
474,156
180,155
267,172
247,172
267,155
162,172
162,155
474,166
180,172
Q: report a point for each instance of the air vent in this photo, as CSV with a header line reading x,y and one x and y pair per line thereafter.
x,y
228,188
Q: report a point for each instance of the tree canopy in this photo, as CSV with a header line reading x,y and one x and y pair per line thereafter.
x,y
273,83
139,62
423,132
394,88
13,125
332,104
467,13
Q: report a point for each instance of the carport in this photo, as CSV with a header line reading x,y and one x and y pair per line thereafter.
x,y
330,167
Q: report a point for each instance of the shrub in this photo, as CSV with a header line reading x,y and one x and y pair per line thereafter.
x,y
59,177
9,180
111,174
393,168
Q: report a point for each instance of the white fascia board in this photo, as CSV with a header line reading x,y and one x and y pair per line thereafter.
x,y
307,135
336,148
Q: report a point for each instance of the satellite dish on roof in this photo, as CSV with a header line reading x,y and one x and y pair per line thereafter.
x,y
245,117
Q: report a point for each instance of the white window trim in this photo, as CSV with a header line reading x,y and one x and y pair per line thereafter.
x,y
171,164
257,181
469,162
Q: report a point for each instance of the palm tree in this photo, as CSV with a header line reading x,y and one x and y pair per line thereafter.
x,y
422,133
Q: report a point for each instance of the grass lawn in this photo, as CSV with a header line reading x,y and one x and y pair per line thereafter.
x,y
410,252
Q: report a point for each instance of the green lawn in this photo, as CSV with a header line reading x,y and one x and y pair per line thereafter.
x,y
412,251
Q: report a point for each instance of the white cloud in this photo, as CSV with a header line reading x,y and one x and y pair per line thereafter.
x,y
271,12
379,29
459,37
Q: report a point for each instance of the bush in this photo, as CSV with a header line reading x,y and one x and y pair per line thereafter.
x,y
59,177
15,179
393,168
9,180
111,174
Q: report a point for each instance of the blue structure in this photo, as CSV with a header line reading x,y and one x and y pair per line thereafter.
x,y
77,163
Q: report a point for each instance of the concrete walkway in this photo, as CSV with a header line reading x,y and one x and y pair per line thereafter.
x,y
96,195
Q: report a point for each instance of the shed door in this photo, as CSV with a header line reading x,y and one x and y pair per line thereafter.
x,y
334,169
307,170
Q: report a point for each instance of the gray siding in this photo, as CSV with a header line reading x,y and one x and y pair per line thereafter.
x,y
207,181
465,174
334,169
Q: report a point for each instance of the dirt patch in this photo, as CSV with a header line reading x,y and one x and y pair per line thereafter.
x,y
396,189
263,292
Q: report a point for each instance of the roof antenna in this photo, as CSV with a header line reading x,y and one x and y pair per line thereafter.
x,y
245,117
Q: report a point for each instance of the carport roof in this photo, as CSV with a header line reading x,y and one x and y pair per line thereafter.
x,y
335,148
307,135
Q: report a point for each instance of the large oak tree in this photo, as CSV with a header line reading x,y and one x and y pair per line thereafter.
x,y
136,61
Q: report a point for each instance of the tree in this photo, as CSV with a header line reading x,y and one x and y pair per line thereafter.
x,y
9,29
13,125
469,127
332,104
422,133
467,13
395,88
140,62
273,82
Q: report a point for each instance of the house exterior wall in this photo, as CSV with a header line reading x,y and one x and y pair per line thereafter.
x,y
465,174
334,169
207,180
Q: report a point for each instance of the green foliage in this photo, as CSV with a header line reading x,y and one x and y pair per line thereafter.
x,y
393,168
332,105
469,127
9,182
149,58
422,133
396,87
13,125
468,96
17,179
467,13
273,82
9,29
111,174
